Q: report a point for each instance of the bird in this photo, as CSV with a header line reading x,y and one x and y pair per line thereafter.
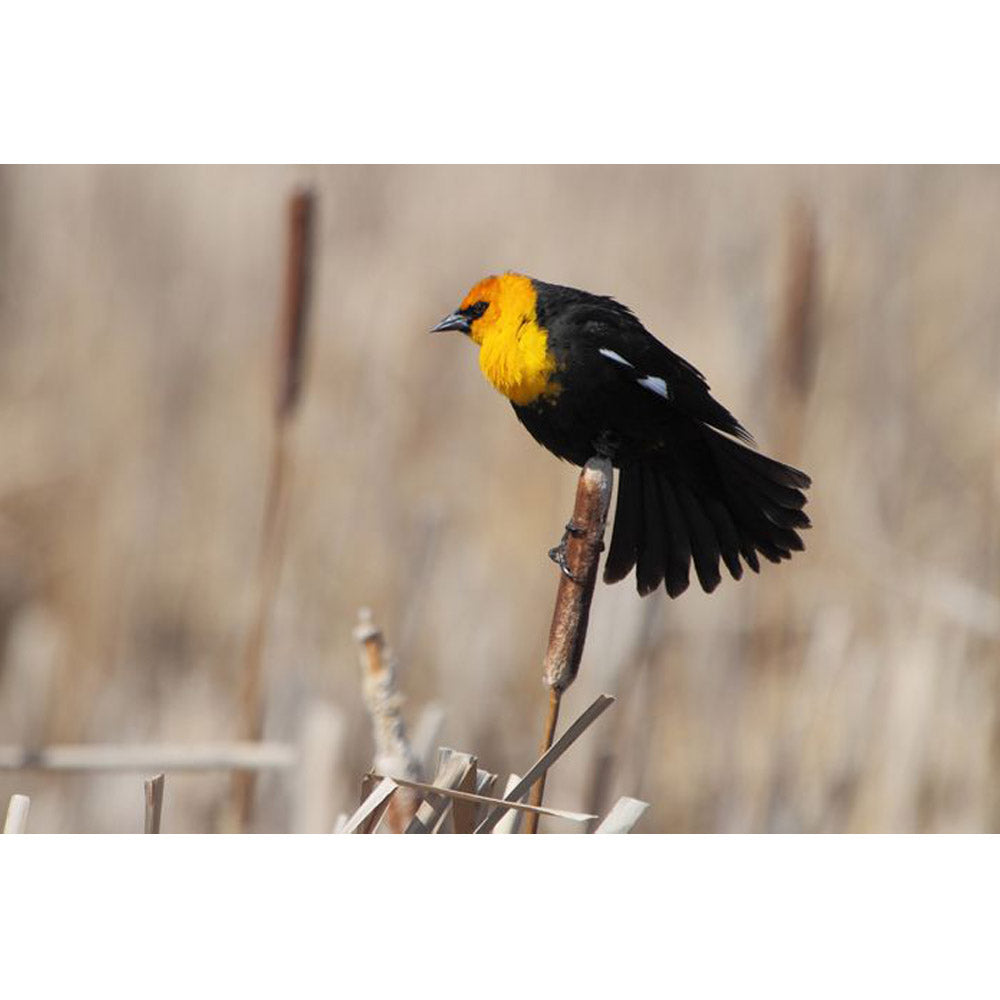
x,y
587,379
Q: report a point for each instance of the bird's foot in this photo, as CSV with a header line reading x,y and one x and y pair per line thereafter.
x,y
558,554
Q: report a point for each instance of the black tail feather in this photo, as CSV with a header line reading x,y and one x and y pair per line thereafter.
x,y
704,544
729,539
677,571
716,499
784,496
651,557
628,525
769,469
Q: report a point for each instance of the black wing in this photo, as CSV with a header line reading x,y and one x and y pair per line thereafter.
x,y
616,342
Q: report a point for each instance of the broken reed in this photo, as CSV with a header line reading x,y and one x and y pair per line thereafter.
x,y
460,793
153,790
289,367
583,545
393,753
16,820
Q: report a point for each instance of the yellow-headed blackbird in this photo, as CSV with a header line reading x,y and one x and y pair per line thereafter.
x,y
585,378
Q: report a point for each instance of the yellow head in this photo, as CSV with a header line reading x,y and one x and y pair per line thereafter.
x,y
499,315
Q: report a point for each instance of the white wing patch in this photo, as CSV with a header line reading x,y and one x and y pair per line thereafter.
x,y
651,382
613,356
655,384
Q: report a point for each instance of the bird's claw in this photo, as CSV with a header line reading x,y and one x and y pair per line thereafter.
x,y
558,554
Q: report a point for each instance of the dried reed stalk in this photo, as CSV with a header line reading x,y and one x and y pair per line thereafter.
x,y
583,544
796,348
624,816
631,678
298,273
17,814
511,821
255,756
393,753
375,800
485,783
798,334
453,772
320,747
463,812
458,794
154,803
290,363
541,766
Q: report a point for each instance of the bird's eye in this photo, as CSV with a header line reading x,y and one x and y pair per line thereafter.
x,y
476,310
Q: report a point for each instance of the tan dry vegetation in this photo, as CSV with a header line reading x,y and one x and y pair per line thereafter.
x,y
854,689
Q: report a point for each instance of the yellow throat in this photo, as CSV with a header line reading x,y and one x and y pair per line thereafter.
x,y
513,349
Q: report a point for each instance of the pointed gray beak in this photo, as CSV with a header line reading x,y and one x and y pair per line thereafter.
x,y
456,321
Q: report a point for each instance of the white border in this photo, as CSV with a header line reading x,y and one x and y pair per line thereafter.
x,y
609,916
512,82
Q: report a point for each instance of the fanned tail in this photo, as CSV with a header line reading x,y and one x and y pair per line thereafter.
x,y
720,500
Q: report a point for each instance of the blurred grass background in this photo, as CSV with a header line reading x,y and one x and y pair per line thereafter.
x,y
853,689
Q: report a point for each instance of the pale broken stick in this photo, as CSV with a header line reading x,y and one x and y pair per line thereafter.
x,y
17,814
458,815
484,786
623,816
463,816
511,823
372,808
453,771
539,768
154,803
502,805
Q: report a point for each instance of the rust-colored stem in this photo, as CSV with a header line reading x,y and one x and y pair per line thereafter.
x,y
798,332
583,545
538,789
797,345
291,344
301,209
251,698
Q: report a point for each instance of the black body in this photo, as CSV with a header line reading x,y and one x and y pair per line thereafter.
x,y
686,490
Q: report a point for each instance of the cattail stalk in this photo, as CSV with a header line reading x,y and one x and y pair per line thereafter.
x,y
798,340
290,364
583,545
